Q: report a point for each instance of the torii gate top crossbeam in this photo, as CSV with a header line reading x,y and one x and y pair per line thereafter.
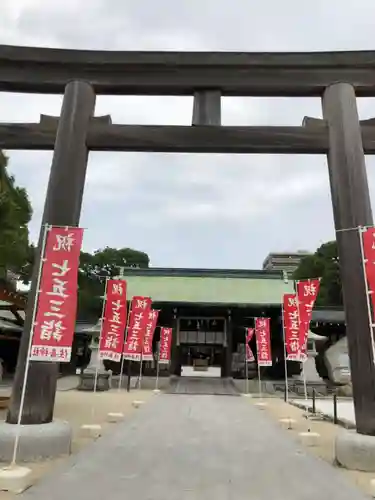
x,y
293,74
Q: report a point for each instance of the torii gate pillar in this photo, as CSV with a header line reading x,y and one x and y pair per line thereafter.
x,y
351,208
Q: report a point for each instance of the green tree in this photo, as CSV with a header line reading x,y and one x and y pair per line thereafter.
x,y
15,214
93,271
324,264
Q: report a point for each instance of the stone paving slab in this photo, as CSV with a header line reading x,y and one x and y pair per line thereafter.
x,y
202,385
196,448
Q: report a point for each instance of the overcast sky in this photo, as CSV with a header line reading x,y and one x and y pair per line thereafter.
x,y
218,211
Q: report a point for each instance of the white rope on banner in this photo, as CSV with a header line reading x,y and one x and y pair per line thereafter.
x,y
67,227
353,229
361,230
27,364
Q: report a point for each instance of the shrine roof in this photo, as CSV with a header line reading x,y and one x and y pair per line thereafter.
x,y
328,315
12,307
12,297
208,286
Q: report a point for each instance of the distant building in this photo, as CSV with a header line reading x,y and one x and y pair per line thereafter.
x,y
284,261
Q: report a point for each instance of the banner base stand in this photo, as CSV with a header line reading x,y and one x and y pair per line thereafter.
x,y
246,395
261,404
91,430
15,479
156,391
137,404
113,418
309,438
372,487
287,423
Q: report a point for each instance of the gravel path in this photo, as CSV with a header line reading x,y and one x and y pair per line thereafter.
x,y
196,447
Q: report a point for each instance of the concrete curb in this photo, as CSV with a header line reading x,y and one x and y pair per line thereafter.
x,y
328,418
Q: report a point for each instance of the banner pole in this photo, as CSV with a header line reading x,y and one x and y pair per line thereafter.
x,y
157,366
305,385
246,365
98,353
140,371
259,381
121,369
139,383
299,334
286,396
285,356
125,338
129,375
27,363
258,359
370,322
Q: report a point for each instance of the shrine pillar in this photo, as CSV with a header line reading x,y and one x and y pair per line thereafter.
x,y
175,366
228,348
207,107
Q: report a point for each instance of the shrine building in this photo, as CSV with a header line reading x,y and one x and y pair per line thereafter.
x,y
209,310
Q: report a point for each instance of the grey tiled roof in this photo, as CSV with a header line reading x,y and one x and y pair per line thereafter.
x,y
328,315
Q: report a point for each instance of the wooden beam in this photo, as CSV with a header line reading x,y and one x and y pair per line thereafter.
x,y
48,121
14,299
182,139
309,121
47,71
9,337
176,139
19,320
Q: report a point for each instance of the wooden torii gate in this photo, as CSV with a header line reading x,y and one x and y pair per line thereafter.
x,y
336,77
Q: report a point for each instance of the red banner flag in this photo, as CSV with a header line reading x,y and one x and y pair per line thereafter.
x,y
368,242
249,353
307,291
165,345
137,326
152,320
113,321
291,327
263,340
56,306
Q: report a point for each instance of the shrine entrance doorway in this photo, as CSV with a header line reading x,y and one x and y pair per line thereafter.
x,y
202,341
